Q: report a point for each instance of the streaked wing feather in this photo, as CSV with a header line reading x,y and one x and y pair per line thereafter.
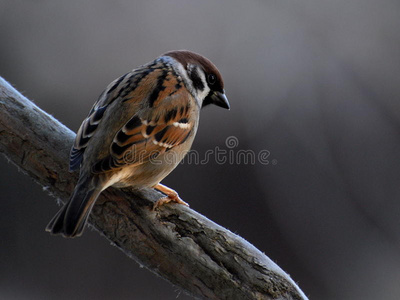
x,y
115,90
164,124
148,135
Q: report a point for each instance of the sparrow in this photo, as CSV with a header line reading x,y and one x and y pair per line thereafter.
x,y
138,131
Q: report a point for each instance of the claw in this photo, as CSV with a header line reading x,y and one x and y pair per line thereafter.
x,y
172,196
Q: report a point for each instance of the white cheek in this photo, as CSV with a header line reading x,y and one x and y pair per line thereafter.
x,y
182,72
198,95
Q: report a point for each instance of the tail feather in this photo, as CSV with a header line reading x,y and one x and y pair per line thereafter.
x,y
57,222
71,219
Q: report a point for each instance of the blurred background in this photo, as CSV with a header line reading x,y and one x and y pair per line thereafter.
x,y
315,83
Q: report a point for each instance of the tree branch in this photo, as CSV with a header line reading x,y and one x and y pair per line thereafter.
x,y
182,246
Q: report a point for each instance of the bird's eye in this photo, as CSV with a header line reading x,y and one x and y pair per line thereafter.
x,y
211,79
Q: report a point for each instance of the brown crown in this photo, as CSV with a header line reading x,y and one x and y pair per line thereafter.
x,y
186,57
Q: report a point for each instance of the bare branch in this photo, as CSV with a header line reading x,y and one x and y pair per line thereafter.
x,y
182,246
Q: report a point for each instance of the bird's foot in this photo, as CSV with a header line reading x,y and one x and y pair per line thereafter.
x,y
172,196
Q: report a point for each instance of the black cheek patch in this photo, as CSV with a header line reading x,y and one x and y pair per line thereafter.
x,y
195,77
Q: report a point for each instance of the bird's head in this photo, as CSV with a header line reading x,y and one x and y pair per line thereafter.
x,y
202,77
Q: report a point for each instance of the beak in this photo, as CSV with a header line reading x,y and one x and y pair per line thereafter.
x,y
220,100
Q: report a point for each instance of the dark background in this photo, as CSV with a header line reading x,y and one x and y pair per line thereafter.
x,y
314,82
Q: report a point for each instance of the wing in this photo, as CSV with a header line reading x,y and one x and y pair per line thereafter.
x,y
149,134
120,89
152,127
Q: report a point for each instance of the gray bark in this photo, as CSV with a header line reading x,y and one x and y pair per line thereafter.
x,y
175,242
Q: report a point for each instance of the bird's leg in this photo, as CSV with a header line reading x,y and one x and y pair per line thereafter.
x,y
171,196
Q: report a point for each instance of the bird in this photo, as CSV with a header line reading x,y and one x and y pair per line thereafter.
x,y
137,132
